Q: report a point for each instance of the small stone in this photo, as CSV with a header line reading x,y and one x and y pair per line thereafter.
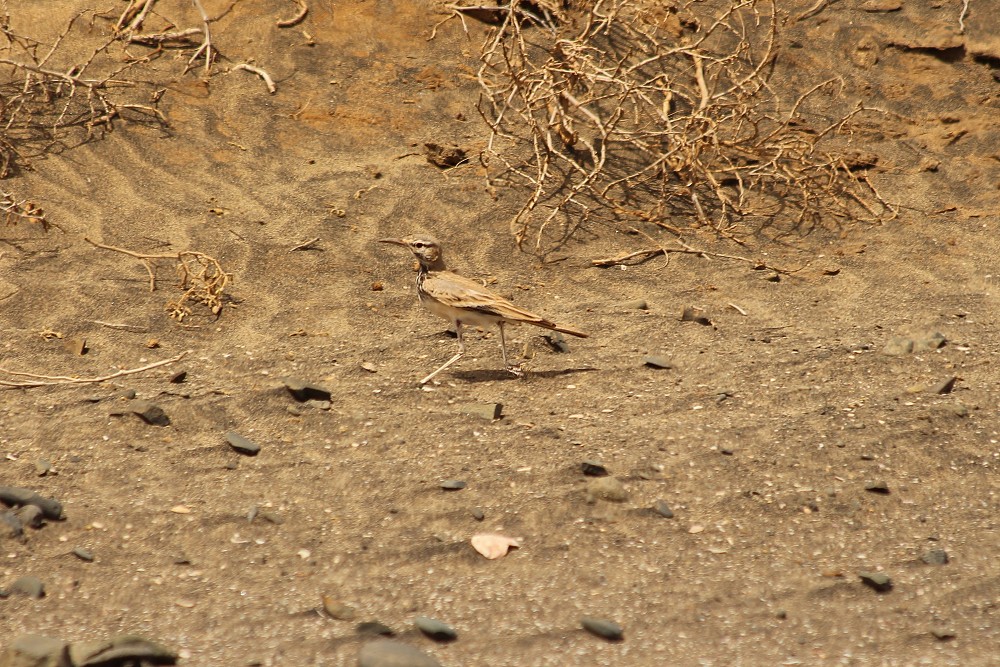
x,y
875,6
31,515
725,451
150,413
880,582
557,342
303,391
339,610
16,496
389,653
489,411
77,346
375,628
83,554
42,467
436,630
478,514
898,346
123,649
369,366
663,509
606,488
30,586
636,304
877,487
929,342
593,469
178,377
603,628
692,314
445,157
943,634
34,651
12,526
944,386
657,361
453,485
241,444
935,557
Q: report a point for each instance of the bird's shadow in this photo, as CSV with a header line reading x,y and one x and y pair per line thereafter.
x,y
498,375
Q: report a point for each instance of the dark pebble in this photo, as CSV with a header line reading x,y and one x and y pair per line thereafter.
x,y
935,557
876,580
388,653
663,509
435,629
603,628
178,377
692,314
13,495
489,411
241,444
453,485
150,413
593,469
727,452
478,514
945,386
375,628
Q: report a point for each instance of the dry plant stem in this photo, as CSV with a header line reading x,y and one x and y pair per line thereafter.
x,y
268,81
298,18
610,117
50,380
640,256
206,45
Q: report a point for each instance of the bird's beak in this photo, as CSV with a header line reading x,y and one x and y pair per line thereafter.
x,y
393,241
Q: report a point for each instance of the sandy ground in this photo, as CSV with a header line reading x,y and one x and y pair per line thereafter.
x,y
761,438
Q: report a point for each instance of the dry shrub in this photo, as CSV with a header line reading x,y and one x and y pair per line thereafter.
x,y
648,114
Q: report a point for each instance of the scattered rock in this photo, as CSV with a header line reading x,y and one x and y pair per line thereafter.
x,y
77,346
493,546
83,554
603,628
478,514
369,366
388,653
178,377
929,342
35,651
42,467
877,487
663,509
692,314
15,496
303,391
897,346
874,6
557,342
489,411
13,528
339,610
593,469
241,444
445,157
657,361
375,628
880,582
944,386
726,451
453,485
31,515
637,304
606,488
935,557
943,634
127,649
436,630
150,413
30,586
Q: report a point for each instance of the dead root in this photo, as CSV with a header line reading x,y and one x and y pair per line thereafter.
x,y
200,276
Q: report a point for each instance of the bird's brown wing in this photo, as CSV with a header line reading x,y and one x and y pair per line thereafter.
x,y
458,291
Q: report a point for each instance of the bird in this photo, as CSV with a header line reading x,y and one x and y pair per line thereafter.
x,y
463,301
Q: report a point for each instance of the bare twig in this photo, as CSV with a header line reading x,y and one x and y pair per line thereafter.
x,y
961,17
268,81
50,380
307,245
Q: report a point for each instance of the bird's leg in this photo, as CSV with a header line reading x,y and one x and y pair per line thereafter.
x,y
514,369
461,351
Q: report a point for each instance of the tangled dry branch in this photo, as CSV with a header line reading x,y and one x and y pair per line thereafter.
x,y
641,113
200,276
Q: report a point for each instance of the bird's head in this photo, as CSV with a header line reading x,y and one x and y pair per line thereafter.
x,y
425,248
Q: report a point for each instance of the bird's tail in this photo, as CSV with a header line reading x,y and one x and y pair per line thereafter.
x,y
555,327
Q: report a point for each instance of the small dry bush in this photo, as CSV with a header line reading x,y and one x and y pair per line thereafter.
x,y
655,115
